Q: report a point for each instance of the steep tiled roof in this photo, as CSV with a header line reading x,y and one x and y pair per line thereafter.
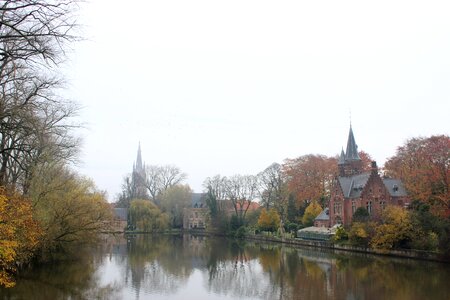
x,y
352,186
352,148
395,187
198,200
323,216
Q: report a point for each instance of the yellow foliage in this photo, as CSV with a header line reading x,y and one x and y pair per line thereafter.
x,y
396,228
311,212
361,232
268,220
264,219
69,208
146,216
19,234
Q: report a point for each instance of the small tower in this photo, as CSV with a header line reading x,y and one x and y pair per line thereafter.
x,y
349,162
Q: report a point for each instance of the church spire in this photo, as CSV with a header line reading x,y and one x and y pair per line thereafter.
x,y
139,159
352,148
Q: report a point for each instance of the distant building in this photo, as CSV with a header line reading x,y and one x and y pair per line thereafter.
x,y
120,219
196,216
354,188
323,219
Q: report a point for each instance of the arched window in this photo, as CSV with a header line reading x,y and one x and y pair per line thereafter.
x,y
337,208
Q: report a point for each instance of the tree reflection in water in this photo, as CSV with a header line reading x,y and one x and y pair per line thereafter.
x,y
155,266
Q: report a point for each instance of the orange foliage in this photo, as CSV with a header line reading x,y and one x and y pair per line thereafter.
x,y
423,166
19,234
310,176
269,220
366,160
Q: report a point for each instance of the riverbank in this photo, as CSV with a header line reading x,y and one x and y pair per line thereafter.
x,y
404,253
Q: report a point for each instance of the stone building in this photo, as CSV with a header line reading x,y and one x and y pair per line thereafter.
x,y
354,188
196,216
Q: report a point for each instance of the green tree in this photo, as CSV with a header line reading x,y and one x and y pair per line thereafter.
x,y
311,212
211,201
174,200
361,233
361,215
292,210
341,234
430,231
146,216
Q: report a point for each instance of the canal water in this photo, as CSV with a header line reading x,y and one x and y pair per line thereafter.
x,y
195,267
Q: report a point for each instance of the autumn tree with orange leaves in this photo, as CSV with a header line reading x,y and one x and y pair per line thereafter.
x,y
309,176
423,164
19,234
366,160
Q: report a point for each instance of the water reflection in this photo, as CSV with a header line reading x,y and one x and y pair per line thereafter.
x,y
195,267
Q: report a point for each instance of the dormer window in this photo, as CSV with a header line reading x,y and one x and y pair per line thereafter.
x,y
395,188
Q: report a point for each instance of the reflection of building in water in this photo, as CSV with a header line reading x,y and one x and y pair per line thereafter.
x,y
324,263
356,187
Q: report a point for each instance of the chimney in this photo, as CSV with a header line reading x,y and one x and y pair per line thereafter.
x,y
374,167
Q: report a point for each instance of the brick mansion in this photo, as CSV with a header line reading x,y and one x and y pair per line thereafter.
x,y
356,187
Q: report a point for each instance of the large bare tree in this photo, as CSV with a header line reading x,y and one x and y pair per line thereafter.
x,y
241,190
160,178
35,123
35,31
272,187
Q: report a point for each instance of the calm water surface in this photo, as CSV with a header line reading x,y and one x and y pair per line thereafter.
x,y
192,267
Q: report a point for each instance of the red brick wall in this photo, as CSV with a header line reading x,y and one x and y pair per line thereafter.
x,y
374,191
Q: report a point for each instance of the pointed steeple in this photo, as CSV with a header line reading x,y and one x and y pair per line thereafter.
x,y
341,160
139,159
352,148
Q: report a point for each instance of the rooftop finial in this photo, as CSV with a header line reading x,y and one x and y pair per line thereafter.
x,y
350,117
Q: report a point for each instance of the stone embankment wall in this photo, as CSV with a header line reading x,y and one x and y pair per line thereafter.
x,y
407,253
340,247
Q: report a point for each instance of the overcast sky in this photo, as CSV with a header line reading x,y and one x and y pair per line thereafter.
x,y
228,87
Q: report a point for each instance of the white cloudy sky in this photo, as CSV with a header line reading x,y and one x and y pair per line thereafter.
x,y
231,86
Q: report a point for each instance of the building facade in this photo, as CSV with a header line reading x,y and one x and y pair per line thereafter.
x,y
354,187
196,216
